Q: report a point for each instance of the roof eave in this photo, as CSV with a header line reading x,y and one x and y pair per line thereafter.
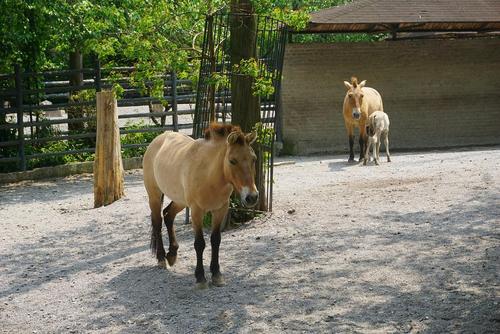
x,y
395,27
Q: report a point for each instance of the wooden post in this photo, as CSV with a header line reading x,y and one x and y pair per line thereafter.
x,y
108,165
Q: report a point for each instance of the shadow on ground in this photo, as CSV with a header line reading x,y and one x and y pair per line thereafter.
x,y
57,189
402,271
269,288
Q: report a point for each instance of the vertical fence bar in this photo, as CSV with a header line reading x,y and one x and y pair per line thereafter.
x,y
199,89
175,117
284,33
20,116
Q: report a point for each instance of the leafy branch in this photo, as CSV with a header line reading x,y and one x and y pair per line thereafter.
x,y
263,84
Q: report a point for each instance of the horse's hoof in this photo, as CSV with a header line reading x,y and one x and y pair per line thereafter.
x,y
376,163
364,163
201,285
350,161
171,259
218,280
162,264
388,159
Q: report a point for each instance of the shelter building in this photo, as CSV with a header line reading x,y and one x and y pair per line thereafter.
x,y
438,72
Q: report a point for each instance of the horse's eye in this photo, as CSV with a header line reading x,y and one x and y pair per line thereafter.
x,y
350,95
233,161
361,96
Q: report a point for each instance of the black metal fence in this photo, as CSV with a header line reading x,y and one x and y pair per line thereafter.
x,y
213,101
44,117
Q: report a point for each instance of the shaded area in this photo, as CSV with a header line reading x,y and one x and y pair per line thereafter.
x,y
411,246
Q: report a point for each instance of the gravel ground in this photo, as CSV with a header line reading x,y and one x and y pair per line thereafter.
x,y
407,246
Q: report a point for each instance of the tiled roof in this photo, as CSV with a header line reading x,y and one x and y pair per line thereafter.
x,y
408,15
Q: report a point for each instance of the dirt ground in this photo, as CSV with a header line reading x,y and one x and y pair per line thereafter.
x,y
408,246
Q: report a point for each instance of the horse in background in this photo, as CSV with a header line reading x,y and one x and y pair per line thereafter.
x,y
200,174
377,128
359,103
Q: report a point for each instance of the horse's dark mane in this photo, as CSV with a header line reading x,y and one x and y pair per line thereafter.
x,y
354,82
220,130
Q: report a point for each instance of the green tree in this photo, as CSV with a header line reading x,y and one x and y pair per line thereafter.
x,y
155,35
28,30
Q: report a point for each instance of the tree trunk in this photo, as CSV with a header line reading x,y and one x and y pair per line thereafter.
x,y
245,106
75,79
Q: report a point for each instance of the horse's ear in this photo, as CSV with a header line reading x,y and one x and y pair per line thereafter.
x,y
362,84
232,138
251,137
348,85
235,137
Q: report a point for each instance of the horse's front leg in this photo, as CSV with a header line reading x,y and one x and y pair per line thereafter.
x,y
362,141
218,217
199,246
367,153
350,134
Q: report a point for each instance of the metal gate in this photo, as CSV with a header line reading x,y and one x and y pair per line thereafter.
x,y
213,101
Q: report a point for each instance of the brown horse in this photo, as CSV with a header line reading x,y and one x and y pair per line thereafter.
x,y
199,174
359,103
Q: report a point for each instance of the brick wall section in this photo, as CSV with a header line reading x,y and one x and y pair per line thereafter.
x,y
437,93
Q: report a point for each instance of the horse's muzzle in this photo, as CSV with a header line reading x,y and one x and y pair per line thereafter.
x,y
356,115
250,200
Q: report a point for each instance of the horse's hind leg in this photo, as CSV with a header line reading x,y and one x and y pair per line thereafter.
x,y
169,214
156,238
378,150
386,144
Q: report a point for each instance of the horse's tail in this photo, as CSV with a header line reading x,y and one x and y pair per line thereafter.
x,y
381,103
354,82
